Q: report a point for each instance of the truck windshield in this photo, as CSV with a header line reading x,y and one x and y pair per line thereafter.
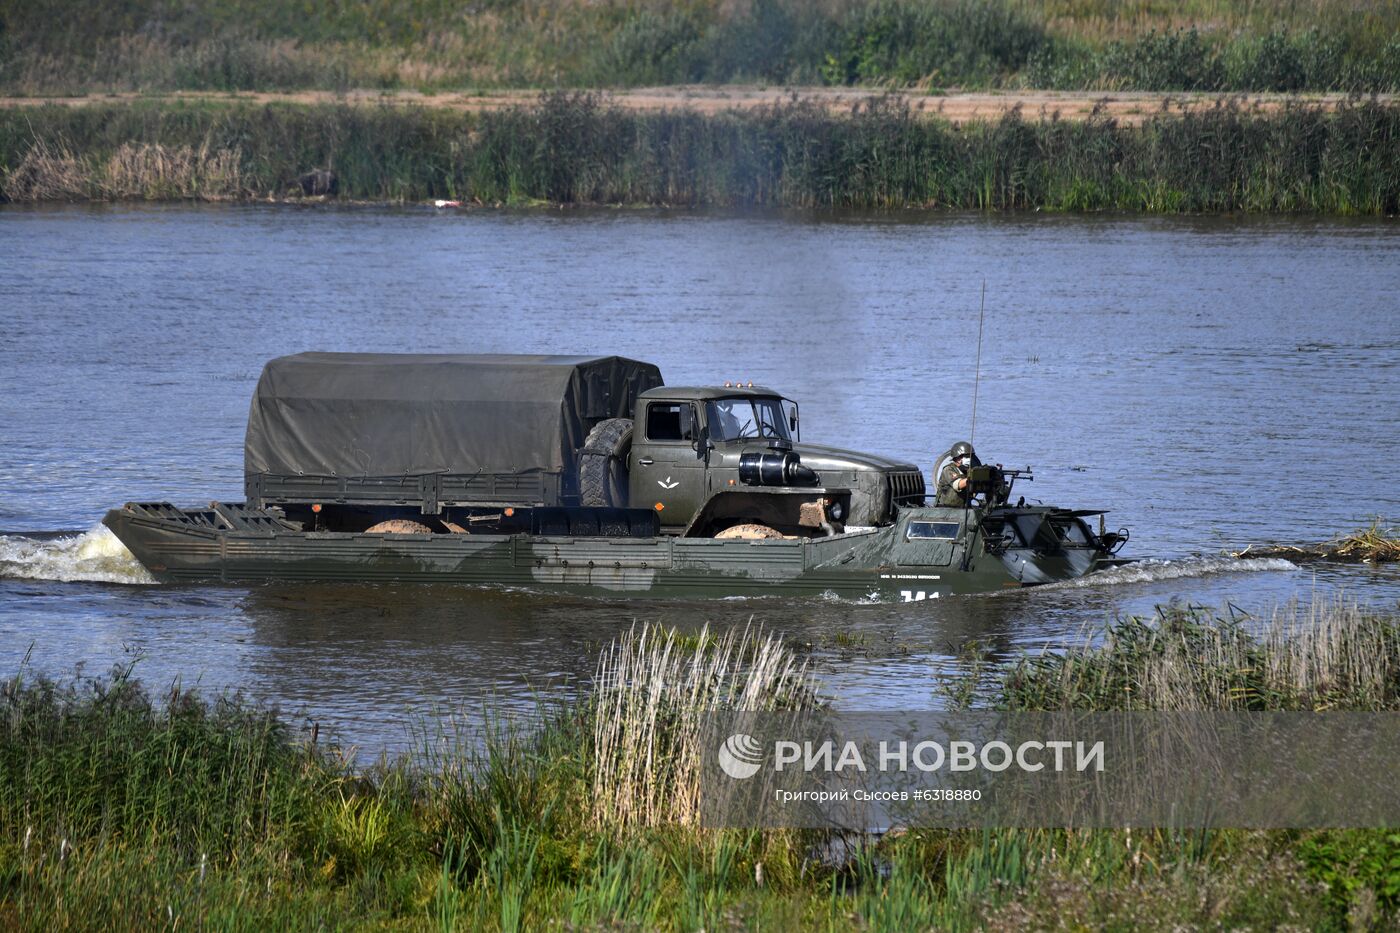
x,y
732,419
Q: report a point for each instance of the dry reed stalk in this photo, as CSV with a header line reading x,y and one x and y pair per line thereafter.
x,y
1374,545
1332,646
652,690
47,173
155,172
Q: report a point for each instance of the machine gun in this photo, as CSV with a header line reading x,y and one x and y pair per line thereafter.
x,y
993,483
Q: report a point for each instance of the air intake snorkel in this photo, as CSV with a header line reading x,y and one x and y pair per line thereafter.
x,y
774,469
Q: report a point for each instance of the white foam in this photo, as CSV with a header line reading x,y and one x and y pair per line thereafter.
x,y
1141,571
96,556
1149,571
873,598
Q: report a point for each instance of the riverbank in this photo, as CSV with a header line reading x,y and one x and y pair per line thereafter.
x,y
1128,108
75,46
117,808
583,149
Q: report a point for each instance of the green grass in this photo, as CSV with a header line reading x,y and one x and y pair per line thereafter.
x,y
1321,657
70,46
577,149
119,810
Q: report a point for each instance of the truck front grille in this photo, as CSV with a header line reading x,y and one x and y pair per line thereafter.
x,y
907,488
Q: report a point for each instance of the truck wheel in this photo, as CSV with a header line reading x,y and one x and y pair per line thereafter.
x,y
399,526
602,463
749,531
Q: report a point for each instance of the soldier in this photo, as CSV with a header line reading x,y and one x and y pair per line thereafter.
x,y
952,482
729,424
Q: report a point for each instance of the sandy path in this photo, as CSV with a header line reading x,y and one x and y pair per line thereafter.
x,y
1130,107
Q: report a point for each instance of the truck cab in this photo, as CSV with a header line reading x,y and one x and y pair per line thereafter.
x,y
708,458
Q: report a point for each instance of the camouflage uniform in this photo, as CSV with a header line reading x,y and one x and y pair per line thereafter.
x,y
947,495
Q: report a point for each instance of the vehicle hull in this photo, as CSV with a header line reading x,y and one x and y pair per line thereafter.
x,y
882,564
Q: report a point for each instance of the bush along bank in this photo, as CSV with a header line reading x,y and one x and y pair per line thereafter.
x,y
119,809
579,149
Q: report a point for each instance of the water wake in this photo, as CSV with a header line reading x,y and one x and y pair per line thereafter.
x,y
95,556
1150,571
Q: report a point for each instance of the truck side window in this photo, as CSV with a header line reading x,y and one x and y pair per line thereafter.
x,y
668,421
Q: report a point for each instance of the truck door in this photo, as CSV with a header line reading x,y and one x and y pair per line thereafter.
x,y
667,472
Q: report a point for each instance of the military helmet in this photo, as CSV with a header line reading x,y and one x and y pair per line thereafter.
x,y
961,449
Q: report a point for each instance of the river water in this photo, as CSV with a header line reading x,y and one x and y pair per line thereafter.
x,y
1215,382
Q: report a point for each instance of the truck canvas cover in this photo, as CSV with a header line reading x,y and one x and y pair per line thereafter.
x,y
355,416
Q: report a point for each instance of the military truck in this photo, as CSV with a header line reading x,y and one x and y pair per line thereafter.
x,y
585,474
452,440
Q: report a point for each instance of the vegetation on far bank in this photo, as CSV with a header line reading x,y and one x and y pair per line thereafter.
x,y
78,46
579,149
120,809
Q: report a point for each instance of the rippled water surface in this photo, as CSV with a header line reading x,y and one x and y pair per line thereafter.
x,y
1213,381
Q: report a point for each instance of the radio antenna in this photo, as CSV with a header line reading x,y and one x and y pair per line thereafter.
x,y
977,372
972,432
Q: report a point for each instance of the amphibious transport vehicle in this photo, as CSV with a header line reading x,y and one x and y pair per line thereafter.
x,y
587,475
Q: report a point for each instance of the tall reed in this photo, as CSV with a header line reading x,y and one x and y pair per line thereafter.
x,y
47,172
103,760
579,149
650,695
1323,656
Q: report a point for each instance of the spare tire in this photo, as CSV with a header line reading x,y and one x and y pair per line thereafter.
x,y
602,463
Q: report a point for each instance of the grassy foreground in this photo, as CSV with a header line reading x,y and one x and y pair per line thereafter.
x,y
120,810
578,149
75,46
